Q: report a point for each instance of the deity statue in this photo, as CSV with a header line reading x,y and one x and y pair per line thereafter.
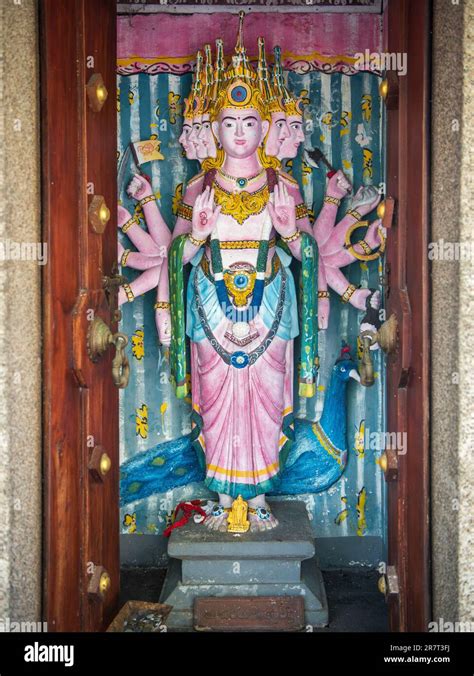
x,y
238,226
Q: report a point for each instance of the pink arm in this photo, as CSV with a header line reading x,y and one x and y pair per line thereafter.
x,y
140,189
142,240
146,281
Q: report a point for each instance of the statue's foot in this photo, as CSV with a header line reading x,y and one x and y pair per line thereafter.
x,y
216,517
261,519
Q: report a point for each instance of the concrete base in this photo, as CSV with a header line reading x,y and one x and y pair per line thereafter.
x,y
280,562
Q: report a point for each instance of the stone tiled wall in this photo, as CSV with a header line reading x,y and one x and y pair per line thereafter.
x,y
20,315
452,315
452,440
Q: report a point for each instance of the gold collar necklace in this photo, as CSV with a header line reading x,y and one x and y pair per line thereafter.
x,y
241,181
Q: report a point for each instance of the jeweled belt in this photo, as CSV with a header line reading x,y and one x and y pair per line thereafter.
x,y
275,263
240,359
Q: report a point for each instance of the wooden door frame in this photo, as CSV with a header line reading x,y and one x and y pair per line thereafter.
x,y
65,207
407,24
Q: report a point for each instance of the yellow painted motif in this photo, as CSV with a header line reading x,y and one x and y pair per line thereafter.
x,y
361,502
174,107
141,421
130,522
343,514
359,440
368,163
366,104
177,198
138,345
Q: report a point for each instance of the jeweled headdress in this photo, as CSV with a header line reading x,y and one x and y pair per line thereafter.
x,y
240,87
193,102
292,105
272,95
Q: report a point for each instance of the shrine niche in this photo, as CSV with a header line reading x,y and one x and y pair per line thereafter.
x,y
273,246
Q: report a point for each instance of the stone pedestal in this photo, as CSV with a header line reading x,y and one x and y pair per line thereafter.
x,y
279,562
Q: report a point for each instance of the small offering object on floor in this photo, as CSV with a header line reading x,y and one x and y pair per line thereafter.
x,y
187,508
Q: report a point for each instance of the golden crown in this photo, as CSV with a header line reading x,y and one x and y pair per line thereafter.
x,y
238,85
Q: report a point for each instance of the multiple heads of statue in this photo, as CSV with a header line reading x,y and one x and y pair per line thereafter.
x,y
237,110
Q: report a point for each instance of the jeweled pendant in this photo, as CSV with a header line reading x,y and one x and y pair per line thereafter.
x,y
239,359
241,182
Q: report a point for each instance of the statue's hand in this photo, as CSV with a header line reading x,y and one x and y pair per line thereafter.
x,y
282,210
139,188
338,186
205,214
163,325
365,199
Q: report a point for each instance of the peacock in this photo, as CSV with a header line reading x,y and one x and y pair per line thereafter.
x,y
317,458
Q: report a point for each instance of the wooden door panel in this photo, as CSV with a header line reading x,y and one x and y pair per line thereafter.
x,y
81,412
407,31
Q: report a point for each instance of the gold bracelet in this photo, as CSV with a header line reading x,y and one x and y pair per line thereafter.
x,y
128,292
355,214
162,305
323,294
293,237
346,296
365,247
196,242
332,200
301,211
185,211
145,200
125,255
129,223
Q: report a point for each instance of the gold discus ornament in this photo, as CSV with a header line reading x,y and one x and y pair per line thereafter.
x,y
365,256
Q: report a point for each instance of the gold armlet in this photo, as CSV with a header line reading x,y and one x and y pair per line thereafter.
x,y
185,211
162,305
332,200
323,294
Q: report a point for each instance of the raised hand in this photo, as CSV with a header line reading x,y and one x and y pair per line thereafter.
x,y
139,187
205,214
365,199
338,186
282,210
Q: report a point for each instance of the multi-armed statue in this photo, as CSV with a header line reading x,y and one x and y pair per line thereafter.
x,y
239,224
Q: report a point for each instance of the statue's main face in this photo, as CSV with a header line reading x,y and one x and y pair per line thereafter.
x,y
196,140
206,138
188,147
289,147
279,131
240,131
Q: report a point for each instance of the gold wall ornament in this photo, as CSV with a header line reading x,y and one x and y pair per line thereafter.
x,y
237,521
243,204
99,214
96,92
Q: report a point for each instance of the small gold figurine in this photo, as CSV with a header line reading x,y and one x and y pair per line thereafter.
x,y
237,521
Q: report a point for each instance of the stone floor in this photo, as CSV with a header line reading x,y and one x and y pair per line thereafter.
x,y
355,604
